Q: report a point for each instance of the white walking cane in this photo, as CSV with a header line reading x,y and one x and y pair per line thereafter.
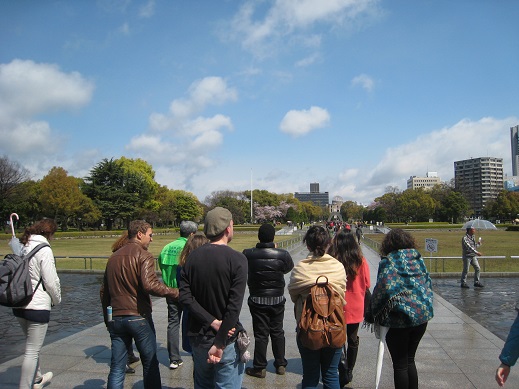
x,y
381,335
14,243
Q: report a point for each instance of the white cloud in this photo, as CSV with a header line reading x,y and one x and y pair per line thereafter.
x,y
179,141
125,29
259,28
204,92
28,89
438,150
308,60
298,123
147,10
364,81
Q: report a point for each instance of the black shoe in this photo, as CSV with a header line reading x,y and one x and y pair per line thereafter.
x,y
133,359
478,285
256,372
465,285
129,370
280,370
349,376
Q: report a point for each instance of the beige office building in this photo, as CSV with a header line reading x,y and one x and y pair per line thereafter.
x,y
426,182
479,179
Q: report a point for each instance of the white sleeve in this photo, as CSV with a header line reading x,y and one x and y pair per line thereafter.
x,y
49,275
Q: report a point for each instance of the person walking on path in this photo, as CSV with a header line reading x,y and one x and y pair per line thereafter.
x,y
345,248
168,262
128,282
267,267
469,255
212,288
358,232
510,353
402,300
34,318
323,362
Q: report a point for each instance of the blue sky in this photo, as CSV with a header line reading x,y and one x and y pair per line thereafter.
x,y
357,95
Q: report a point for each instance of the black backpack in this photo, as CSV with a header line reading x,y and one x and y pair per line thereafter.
x,y
15,280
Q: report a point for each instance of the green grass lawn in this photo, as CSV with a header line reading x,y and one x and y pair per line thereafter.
x,y
91,247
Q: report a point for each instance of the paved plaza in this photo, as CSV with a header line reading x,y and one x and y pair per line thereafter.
x,y
456,352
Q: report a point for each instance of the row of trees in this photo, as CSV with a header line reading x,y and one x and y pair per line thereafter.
x,y
118,190
441,203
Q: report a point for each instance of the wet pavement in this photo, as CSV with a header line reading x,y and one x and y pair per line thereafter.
x,y
492,306
456,351
80,309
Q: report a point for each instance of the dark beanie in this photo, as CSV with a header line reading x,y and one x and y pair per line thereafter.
x,y
266,233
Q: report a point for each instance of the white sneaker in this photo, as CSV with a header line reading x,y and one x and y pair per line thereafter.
x,y
175,364
45,379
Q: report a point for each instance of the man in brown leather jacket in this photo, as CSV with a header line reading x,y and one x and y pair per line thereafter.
x,y
128,282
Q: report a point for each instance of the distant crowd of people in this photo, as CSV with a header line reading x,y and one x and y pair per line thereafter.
x,y
204,283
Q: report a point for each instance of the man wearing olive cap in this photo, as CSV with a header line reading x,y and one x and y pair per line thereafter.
x,y
212,286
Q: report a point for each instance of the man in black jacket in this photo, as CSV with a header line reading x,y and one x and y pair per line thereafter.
x,y
266,281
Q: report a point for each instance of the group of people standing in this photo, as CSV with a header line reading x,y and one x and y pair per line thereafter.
x,y
204,282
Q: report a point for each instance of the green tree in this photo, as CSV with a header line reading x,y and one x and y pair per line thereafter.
x,y
12,175
389,202
119,190
504,207
416,205
236,202
186,206
350,210
26,203
62,197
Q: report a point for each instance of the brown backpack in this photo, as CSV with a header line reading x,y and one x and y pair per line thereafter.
x,y
322,322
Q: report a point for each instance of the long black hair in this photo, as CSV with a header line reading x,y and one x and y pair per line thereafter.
x,y
347,251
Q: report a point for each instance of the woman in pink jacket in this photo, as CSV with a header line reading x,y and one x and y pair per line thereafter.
x,y
347,251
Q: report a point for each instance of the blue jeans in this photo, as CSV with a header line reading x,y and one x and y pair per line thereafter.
x,y
317,363
122,329
174,315
227,374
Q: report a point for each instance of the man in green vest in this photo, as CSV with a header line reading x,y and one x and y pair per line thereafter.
x,y
168,262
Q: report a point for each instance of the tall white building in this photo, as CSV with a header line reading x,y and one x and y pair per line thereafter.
x,y
426,182
479,179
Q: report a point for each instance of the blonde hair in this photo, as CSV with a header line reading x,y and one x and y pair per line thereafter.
x,y
193,242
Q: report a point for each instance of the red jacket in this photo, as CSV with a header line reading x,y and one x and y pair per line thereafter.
x,y
355,291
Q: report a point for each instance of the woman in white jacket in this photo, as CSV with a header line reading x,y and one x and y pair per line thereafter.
x,y
34,317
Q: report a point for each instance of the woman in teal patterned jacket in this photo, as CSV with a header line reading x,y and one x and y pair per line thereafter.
x,y
403,301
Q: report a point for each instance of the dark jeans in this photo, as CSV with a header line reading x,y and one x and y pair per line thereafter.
x,y
268,320
402,344
320,363
174,315
122,329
